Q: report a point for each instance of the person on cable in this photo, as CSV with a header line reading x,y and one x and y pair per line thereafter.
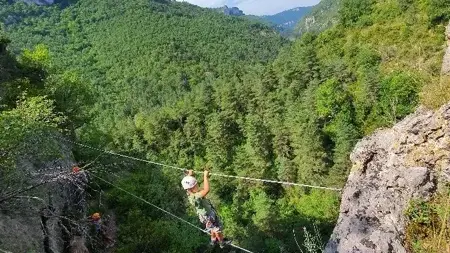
x,y
205,210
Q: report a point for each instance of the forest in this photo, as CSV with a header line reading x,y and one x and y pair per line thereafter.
x,y
174,83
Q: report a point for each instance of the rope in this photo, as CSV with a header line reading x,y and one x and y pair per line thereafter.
x,y
161,209
237,247
145,201
295,238
121,155
212,174
12,194
57,177
276,182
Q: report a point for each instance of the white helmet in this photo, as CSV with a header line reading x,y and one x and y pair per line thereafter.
x,y
188,182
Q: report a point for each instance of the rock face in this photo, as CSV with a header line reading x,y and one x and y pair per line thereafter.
x,y
233,11
390,168
44,218
446,63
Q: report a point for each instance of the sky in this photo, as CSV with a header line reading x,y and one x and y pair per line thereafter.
x,y
255,7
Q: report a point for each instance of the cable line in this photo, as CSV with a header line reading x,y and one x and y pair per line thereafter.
x,y
161,209
145,201
212,174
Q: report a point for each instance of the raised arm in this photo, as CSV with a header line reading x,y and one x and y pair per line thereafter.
x,y
205,189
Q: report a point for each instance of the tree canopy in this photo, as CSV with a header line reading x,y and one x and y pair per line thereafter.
x,y
187,86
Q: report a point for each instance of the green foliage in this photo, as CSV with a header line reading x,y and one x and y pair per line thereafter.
x,y
322,16
355,12
399,95
439,11
30,121
174,83
436,94
428,227
28,116
312,242
145,229
38,57
263,211
329,99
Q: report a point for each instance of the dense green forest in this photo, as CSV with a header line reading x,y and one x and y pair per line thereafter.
x,y
182,85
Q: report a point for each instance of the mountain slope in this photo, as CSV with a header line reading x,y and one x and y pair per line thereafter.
x,y
321,17
88,40
189,87
288,19
284,22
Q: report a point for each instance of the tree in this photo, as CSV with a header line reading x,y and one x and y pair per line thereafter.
x,y
439,11
353,11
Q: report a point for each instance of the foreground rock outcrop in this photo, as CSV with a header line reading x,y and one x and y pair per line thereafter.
x,y
390,168
41,210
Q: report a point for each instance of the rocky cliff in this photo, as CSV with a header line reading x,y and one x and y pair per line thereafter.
x,y
391,168
446,62
233,11
41,210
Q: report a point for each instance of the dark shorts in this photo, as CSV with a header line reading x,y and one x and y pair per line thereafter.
x,y
212,223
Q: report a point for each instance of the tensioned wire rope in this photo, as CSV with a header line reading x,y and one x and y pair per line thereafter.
x,y
159,208
212,174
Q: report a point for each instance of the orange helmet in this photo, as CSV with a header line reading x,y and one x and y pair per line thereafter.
x,y
96,216
76,169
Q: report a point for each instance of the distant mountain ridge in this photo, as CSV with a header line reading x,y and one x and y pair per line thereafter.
x,y
63,3
287,20
233,11
38,2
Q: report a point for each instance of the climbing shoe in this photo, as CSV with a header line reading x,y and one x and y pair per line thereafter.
x,y
224,243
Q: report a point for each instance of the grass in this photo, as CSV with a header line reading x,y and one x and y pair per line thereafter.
x,y
428,228
437,94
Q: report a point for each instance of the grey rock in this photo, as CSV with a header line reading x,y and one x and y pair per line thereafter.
x,y
233,11
446,62
35,220
390,168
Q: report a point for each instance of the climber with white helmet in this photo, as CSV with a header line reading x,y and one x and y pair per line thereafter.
x,y
205,211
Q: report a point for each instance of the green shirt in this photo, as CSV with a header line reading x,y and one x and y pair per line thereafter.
x,y
202,206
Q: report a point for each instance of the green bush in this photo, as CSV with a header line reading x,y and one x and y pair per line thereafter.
x,y
439,11
428,227
354,12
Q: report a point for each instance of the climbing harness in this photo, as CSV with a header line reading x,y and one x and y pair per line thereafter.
x,y
212,174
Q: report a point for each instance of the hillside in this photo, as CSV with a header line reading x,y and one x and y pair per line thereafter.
x,y
191,87
284,22
319,18
287,20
